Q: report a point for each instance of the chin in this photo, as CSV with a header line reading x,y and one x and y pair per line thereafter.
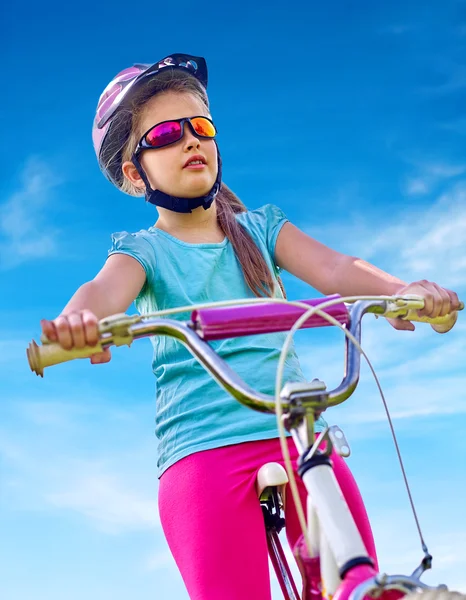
x,y
195,191
194,185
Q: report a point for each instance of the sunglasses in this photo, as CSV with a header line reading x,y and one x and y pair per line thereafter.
x,y
168,132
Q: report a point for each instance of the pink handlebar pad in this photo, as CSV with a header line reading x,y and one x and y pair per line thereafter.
x,y
236,321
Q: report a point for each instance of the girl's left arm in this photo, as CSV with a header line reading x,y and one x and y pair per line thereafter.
x,y
331,272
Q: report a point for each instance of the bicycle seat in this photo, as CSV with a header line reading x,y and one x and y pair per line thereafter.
x,y
271,475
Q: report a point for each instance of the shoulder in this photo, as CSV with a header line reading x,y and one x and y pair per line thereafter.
x,y
121,238
266,215
264,224
136,245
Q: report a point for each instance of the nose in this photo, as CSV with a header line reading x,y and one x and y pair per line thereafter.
x,y
190,141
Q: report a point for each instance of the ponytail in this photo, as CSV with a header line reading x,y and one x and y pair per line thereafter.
x,y
256,272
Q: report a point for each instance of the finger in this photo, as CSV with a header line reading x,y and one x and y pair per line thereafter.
x,y
428,296
101,357
64,336
436,301
454,300
77,330
421,288
445,302
91,327
48,329
401,325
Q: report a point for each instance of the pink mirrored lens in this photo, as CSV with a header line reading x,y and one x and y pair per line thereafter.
x,y
163,134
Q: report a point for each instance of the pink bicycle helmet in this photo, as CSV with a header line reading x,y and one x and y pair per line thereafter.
x,y
118,94
108,127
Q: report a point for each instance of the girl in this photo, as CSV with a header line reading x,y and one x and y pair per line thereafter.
x,y
154,136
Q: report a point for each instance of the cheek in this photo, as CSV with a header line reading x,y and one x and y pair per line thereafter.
x,y
158,164
211,155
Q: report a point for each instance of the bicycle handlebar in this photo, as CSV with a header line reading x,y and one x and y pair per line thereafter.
x,y
121,329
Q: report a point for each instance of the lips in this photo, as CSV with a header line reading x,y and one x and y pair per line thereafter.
x,y
195,157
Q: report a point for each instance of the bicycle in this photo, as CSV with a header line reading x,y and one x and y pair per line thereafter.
x,y
331,556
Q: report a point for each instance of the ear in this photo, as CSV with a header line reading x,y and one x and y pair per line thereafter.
x,y
132,174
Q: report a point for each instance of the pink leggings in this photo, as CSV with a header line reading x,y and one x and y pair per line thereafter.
x,y
213,522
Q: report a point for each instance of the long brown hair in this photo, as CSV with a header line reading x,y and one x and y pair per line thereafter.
x,y
256,272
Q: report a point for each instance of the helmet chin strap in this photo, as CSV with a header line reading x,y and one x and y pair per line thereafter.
x,y
174,203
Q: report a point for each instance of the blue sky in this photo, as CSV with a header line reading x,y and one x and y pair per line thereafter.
x,y
350,117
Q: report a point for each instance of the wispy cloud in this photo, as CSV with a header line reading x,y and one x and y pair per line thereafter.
x,y
419,397
446,546
25,231
106,500
417,186
429,175
427,242
114,492
421,243
456,126
416,382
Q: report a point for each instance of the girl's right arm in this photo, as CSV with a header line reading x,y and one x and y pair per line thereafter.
x,y
111,291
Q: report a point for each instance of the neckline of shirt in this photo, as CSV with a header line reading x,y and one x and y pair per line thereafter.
x,y
172,238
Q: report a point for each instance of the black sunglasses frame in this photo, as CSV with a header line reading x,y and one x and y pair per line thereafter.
x,y
144,145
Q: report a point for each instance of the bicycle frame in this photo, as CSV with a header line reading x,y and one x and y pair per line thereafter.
x,y
320,569
339,556
339,566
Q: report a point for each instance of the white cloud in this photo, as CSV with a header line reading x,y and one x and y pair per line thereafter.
x,y
107,500
411,389
428,397
417,186
421,373
427,242
25,231
437,244
446,547
444,170
65,465
438,357
430,174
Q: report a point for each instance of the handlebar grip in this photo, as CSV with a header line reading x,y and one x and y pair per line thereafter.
x,y
438,324
446,319
40,357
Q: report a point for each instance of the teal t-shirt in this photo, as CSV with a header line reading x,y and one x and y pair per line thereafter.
x,y
192,412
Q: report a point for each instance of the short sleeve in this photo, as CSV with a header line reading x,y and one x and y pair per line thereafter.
x,y
264,224
274,219
137,246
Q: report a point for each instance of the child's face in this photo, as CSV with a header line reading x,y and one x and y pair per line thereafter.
x,y
165,167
